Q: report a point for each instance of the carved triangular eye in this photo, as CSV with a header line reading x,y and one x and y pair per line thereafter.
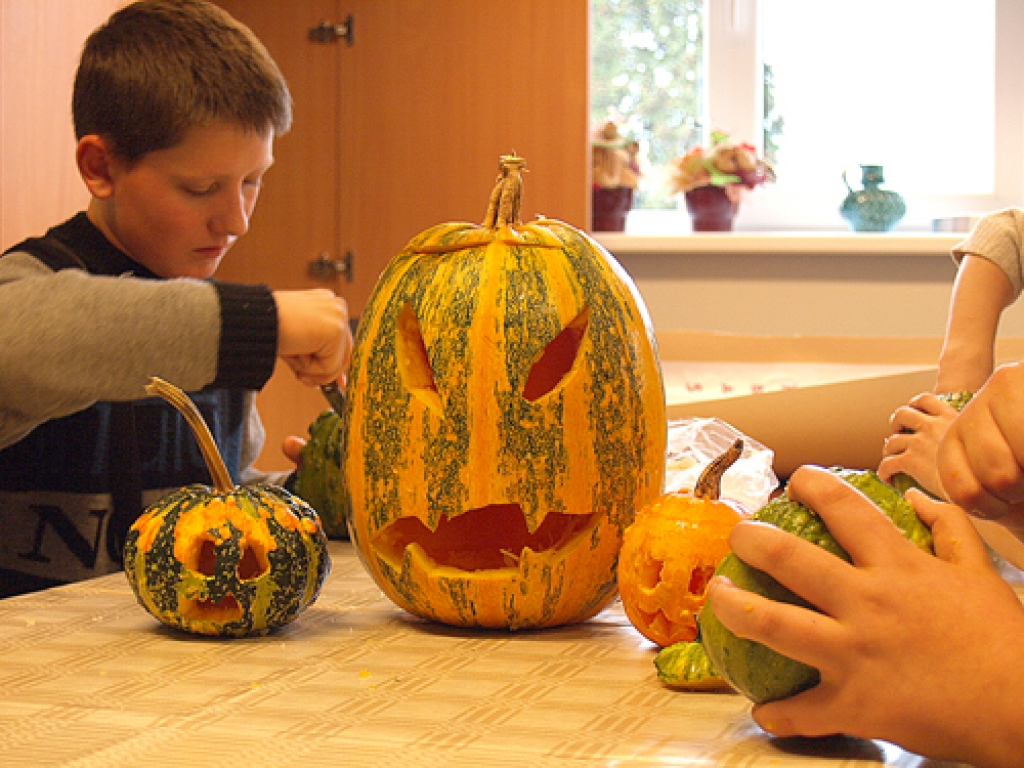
x,y
557,359
413,361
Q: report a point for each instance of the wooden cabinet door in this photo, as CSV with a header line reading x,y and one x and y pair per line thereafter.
x,y
297,216
402,129
433,93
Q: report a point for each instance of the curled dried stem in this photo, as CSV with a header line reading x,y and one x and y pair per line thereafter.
x,y
709,484
173,395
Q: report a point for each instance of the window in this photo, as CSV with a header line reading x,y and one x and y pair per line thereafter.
x,y
929,89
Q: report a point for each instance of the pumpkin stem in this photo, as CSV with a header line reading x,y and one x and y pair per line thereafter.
x,y
221,477
507,195
709,484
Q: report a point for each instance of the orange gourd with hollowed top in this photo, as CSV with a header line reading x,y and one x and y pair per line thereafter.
x,y
671,551
505,421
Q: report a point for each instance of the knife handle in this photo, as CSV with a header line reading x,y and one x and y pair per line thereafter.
x,y
334,396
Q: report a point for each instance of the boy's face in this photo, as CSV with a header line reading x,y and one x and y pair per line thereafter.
x,y
177,211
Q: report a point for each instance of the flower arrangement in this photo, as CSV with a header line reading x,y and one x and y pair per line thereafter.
x,y
724,164
614,158
615,172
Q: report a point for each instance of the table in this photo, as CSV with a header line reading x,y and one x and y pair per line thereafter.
x,y
88,678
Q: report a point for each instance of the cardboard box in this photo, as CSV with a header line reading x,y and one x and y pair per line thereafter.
x,y
812,400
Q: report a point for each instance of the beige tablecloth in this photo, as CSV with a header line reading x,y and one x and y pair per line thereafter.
x,y
87,678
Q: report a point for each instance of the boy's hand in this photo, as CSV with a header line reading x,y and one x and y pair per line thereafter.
x,y
981,459
922,651
313,334
913,447
292,448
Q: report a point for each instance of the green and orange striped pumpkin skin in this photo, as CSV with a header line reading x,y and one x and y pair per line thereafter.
x,y
227,564
506,420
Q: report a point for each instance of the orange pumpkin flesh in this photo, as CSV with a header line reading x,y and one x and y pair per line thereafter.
x,y
669,555
491,537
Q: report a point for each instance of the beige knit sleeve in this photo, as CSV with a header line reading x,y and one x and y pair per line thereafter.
x,y
998,238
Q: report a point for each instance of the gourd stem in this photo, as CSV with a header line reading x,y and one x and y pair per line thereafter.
x,y
709,484
218,471
507,195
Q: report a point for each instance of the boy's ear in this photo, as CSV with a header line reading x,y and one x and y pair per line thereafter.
x,y
95,158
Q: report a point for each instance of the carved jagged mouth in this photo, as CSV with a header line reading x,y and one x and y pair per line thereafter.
x,y
485,538
223,611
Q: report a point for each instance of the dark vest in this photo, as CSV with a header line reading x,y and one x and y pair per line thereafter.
x,y
118,450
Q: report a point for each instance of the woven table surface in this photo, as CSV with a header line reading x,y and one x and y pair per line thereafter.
x,y
88,678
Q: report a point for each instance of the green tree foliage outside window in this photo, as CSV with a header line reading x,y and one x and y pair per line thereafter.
x,y
773,122
647,74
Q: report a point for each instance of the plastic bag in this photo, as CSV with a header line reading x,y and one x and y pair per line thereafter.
x,y
695,443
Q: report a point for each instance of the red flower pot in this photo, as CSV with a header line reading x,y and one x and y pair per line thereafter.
x,y
710,209
611,204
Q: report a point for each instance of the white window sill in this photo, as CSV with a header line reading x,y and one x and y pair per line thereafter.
x,y
795,243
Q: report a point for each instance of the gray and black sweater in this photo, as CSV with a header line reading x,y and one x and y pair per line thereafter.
x,y
83,449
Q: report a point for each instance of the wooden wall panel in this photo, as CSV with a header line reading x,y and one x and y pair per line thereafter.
x,y
40,43
424,102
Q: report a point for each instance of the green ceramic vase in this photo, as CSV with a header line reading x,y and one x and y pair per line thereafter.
x,y
872,209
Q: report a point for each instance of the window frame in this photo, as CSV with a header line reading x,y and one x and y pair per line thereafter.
x,y
734,96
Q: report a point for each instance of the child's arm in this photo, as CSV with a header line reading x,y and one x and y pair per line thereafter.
x,y
926,652
68,339
980,294
988,280
315,339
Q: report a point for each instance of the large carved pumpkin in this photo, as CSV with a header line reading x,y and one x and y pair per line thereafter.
x,y
505,421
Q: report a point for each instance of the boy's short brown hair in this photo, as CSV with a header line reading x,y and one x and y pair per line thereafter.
x,y
160,67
